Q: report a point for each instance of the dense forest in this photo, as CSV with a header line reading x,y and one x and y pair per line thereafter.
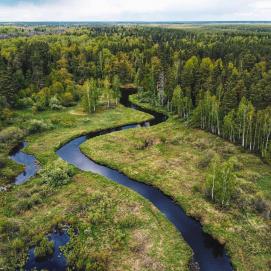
x,y
206,86
219,81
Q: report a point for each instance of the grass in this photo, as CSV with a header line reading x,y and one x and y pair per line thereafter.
x,y
67,124
116,228
73,124
175,159
111,227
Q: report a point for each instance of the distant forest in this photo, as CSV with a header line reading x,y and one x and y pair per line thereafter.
x,y
218,81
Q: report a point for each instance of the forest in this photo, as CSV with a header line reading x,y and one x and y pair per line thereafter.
x,y
212,83
221,82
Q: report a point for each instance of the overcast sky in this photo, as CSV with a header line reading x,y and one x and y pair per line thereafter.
x,y
134,10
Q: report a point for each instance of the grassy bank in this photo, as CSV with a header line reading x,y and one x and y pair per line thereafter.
x,y
57,128
73,124
175,159
116,228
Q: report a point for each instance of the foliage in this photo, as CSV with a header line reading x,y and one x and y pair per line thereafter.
x,y
90,96
178,167
11,134
38,126
44,248
57,173
55,104
221,181
181,104
219,74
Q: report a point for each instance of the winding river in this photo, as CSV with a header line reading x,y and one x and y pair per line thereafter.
x,y
29,162
208,253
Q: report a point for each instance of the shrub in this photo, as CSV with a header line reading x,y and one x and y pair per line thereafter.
x,y
7,114
208,155
17,244
11,134
44,248
55,104
7,226
3,101
24,102
37,126
2,161
57,173
263,206
67,99
23,205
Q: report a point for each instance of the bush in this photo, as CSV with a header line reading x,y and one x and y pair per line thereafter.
x,y
3,101
11,134
24,102
208,155
17,244
2,161
9,227
38,126
7,114
44,248
67,99
263,206
57,174
55,104
23,205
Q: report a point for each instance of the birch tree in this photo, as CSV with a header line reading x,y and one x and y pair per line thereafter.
x,y
221,181
90,96
116,89
107,92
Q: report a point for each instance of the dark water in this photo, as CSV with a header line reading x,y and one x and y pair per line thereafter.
x,y
57,261
210,255
29,161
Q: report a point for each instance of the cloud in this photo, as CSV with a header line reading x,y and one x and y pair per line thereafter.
x,y
147,10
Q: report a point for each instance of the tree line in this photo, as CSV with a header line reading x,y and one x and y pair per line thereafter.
x,y
219,81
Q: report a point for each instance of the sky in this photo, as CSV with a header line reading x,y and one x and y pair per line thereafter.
x,y
135,10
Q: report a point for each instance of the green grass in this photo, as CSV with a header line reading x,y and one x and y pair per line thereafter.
x,y
264,185
175,159
117,229
72,124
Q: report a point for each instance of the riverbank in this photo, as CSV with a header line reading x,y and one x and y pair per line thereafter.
x,y
120,229
175,158
116,229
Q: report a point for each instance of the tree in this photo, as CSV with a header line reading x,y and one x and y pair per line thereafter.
x,y
182,104
207,114
190,77
263,132
90,95
205,70
229,126
116,89
8,87
57,88
176,100
107,91
244,118
221,181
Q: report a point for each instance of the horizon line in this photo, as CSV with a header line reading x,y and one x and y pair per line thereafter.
x,y
140,21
